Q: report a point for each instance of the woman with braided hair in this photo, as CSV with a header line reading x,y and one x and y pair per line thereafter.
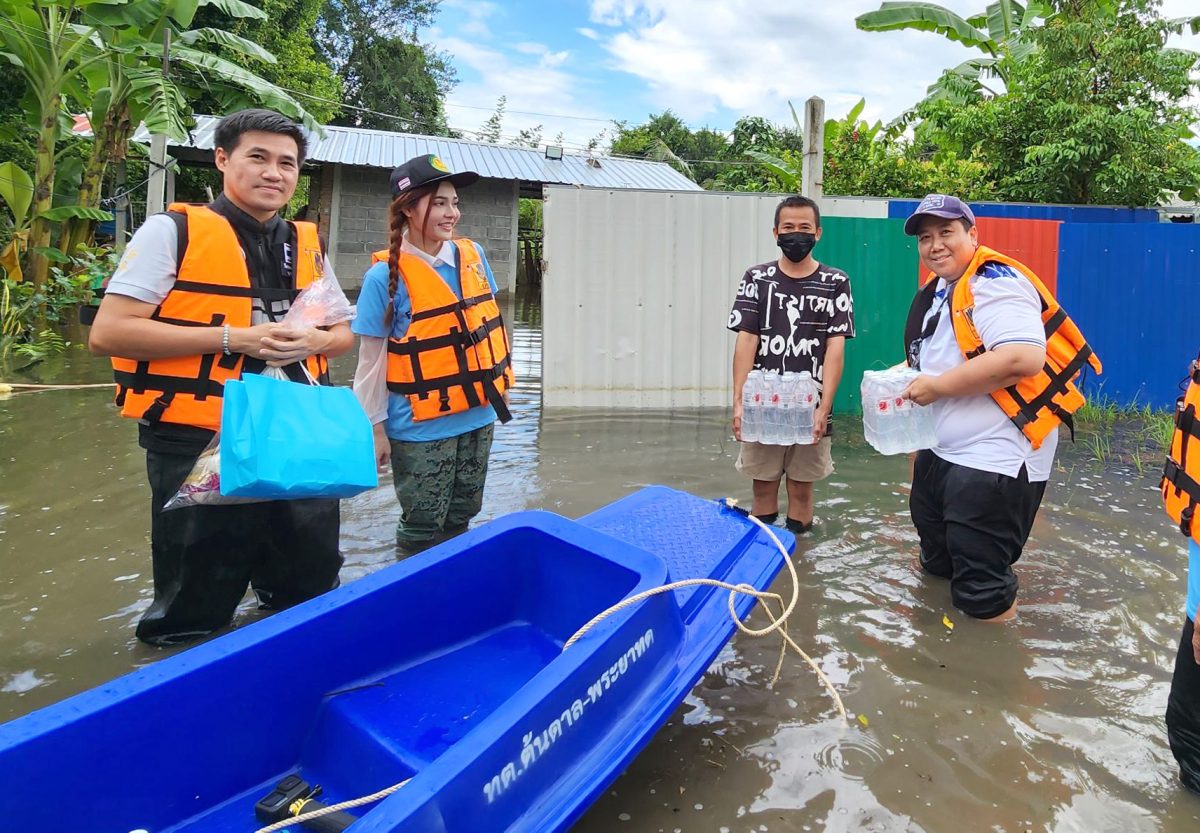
x,y
433,369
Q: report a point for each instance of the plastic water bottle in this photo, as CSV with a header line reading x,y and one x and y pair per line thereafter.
x,y
773,427
891,423
806,405
752,407
790,405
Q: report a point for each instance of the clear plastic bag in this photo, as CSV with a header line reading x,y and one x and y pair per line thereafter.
x,y
202,486
891,423
320,304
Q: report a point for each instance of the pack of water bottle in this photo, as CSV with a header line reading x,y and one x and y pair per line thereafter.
x,y
777,409
891,423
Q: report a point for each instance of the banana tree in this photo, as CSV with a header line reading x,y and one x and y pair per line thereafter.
x,y
16,189
1000,32
50,50
129,86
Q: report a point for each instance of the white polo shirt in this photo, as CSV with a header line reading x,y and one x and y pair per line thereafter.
x,y
972,430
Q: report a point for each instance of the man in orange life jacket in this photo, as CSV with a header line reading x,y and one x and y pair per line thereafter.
x,y
998,356
191,306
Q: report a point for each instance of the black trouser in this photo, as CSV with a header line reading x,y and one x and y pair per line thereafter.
x,y
973,525
204,556
1183,711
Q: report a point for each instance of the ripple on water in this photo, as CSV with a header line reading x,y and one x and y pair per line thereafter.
x,y
854,754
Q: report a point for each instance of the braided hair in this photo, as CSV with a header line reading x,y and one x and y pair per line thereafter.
x,y
398,224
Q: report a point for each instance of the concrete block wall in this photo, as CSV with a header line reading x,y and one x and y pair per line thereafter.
x,y
320,199
359,211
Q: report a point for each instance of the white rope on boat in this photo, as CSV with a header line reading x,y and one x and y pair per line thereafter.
x,y
332,808
778,625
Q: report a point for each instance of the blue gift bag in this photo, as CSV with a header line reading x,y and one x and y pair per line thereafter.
x,y
284,440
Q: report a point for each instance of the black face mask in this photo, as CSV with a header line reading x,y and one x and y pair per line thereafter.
x,y
796,245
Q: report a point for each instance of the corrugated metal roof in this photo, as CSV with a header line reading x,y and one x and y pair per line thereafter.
x,y
381,149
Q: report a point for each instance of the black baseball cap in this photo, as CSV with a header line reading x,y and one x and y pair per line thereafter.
x,y
422,170
938,205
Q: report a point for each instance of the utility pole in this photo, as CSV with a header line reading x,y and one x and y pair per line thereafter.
x,y
156,192
812,177
121,209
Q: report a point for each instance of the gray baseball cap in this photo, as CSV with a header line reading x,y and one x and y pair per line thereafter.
x,y
938,205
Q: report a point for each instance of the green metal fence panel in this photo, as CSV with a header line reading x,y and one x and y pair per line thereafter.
x,y
881,262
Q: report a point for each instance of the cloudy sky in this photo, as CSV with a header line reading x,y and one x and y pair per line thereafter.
x,y
575,65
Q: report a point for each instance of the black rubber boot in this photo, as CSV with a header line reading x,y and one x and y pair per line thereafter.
x,y
798,527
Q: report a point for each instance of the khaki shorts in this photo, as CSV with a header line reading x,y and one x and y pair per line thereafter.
x,y
803,463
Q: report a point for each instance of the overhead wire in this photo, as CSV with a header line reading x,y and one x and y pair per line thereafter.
x,y
408,120
36,33
212,85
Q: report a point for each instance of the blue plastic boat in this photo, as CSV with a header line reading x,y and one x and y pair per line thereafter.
x,y
447,669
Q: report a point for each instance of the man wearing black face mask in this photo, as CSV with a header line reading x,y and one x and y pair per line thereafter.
x,y
793,314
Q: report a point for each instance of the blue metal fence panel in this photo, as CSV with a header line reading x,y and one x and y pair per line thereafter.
x,y
1027,211
1132,291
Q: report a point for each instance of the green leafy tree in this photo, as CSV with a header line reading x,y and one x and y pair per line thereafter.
x,y
51,51
699,155
373,47
495,122
862,159
103,56
285,29
1098,114
753,135
128,87
529,137
1002,32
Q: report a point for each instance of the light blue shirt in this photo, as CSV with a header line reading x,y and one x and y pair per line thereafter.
x,y
369,321
1193,597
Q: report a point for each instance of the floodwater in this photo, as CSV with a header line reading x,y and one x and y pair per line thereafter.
x,y
1053,723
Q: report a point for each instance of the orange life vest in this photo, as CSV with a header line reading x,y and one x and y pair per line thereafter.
x,y
1181,474
1037,404
212,288
455,355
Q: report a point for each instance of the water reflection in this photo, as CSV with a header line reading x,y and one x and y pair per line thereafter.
x,y
1052,724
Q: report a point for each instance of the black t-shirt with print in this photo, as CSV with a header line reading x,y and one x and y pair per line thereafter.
x,y
793,317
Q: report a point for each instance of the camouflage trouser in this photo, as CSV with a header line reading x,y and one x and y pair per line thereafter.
x,y
439,485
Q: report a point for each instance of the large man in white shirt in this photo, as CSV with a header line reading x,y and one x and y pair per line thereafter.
x,y
976,492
